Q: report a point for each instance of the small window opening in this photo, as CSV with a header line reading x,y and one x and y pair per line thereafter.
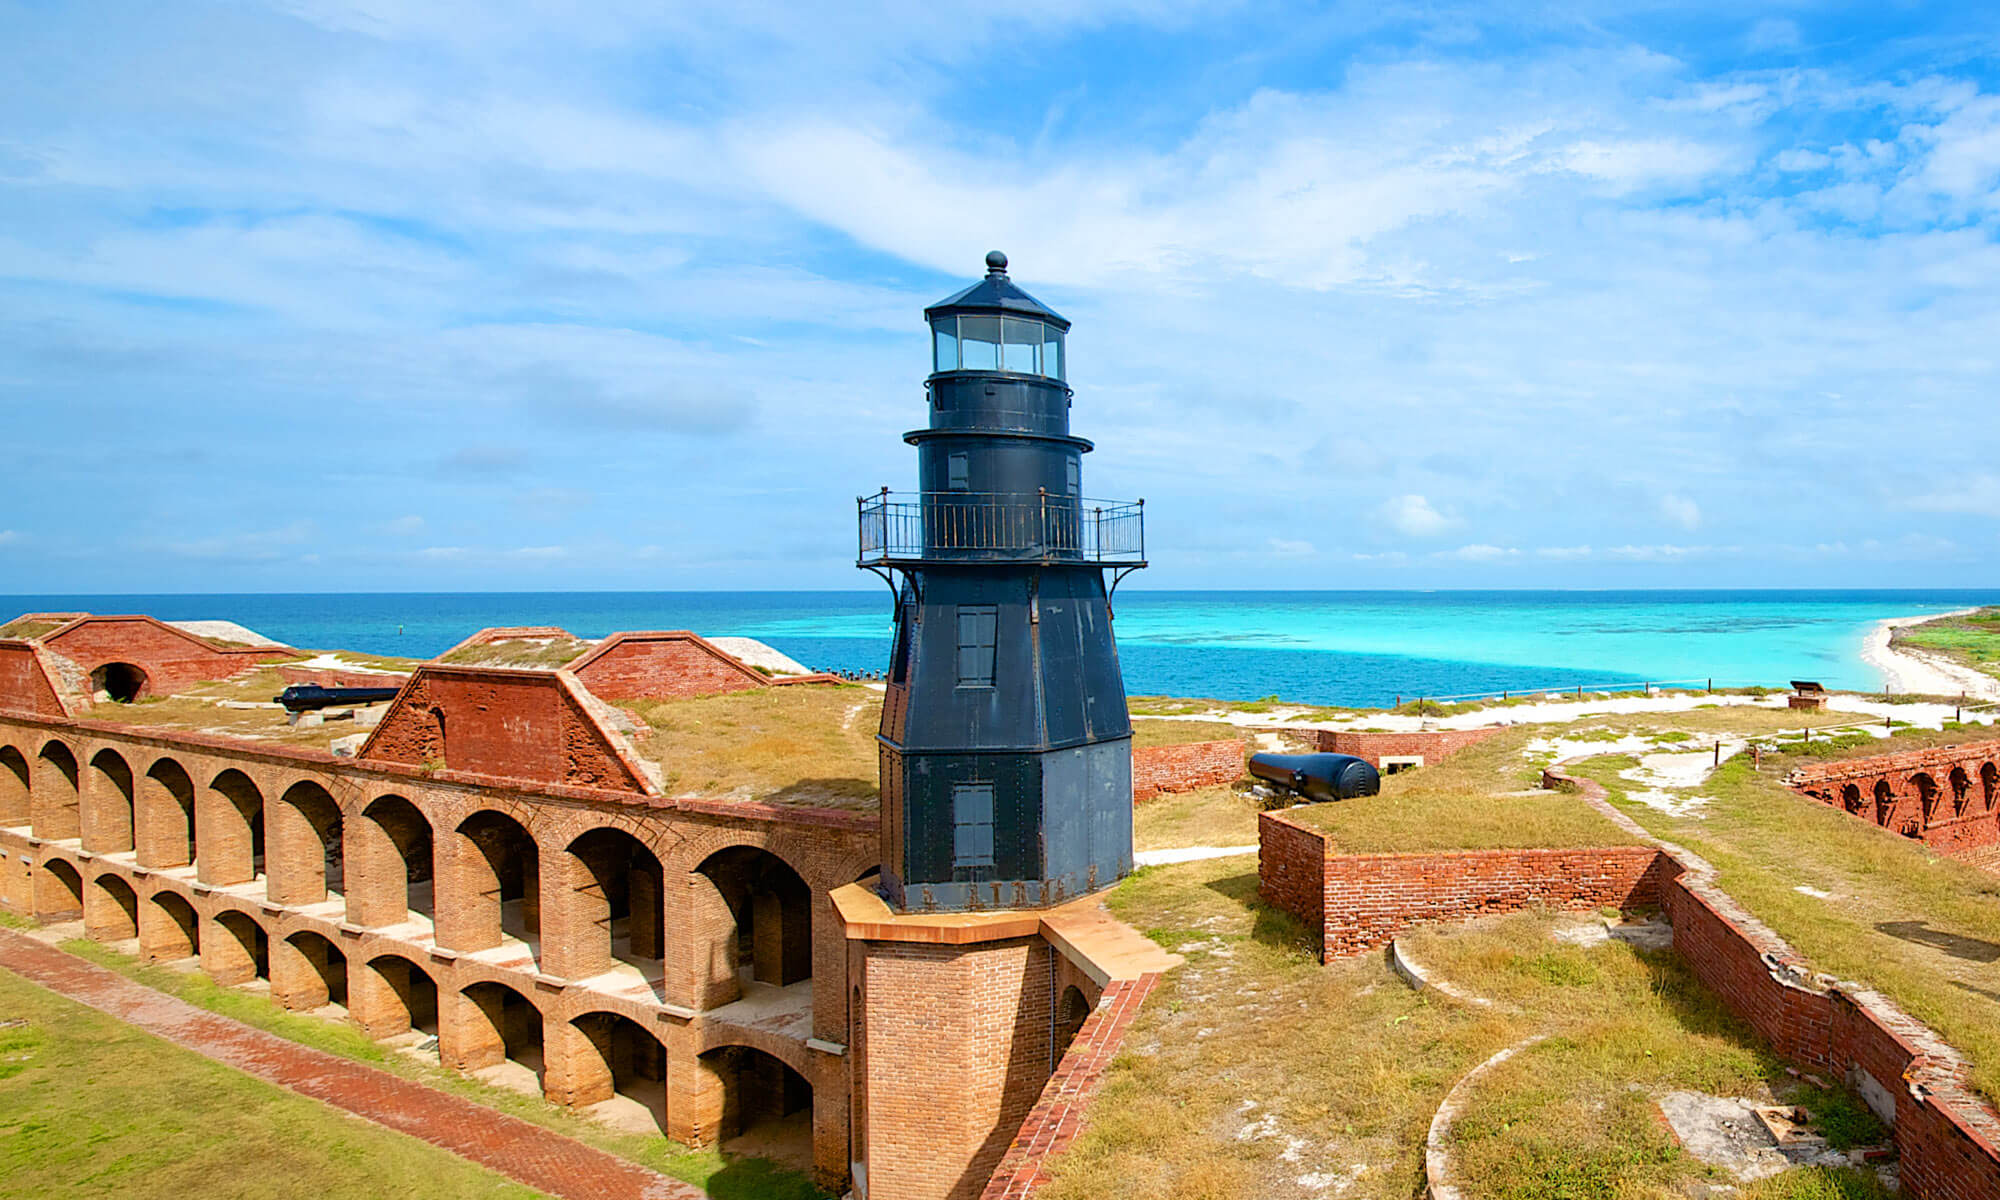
x,y
1075,478
957,474
978,630
972,826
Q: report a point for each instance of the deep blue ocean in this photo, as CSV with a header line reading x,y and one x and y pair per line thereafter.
x,y
1317,647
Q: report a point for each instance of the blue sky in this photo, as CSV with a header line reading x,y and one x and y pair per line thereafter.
x,y
359,295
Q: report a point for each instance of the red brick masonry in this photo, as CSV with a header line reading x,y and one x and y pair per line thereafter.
x,y
1365,900
1433,745
671,664
1949,796
1058,1116
1183,768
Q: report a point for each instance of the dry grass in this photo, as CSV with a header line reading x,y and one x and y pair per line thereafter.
x,y
21,627
1921,928
194,710
1480,799
811,745
1210,816
520,653
1254,1071
1179,733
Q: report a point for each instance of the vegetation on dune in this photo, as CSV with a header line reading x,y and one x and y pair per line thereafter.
x,y
811,744
1972,639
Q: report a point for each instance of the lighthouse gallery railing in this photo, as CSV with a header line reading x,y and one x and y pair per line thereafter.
x,y
916,525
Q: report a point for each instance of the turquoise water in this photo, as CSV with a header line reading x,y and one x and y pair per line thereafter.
x,y
1319,647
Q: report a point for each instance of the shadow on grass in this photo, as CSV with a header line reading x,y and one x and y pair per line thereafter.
x,y
1273,927
761,1179
1971,949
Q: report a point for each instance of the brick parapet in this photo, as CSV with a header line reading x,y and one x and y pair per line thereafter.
x,y
1061,1111
1432,745
1934,758
511,633
335,678
669,664
1946,796
1157,770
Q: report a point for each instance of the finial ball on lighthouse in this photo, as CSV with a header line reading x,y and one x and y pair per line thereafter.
x,y
996,262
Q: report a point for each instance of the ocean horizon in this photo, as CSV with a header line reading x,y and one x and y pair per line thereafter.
x,y
1321,647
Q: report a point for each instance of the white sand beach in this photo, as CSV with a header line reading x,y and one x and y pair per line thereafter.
x,y
1910,671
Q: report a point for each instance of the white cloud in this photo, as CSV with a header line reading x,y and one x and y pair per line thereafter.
x,y
1798,160
1773,33
1656,553
1480,552
1414,516
1681,511
1977,496
1563,553
1291,548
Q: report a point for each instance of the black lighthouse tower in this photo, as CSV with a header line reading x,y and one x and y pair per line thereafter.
x,y
1006,749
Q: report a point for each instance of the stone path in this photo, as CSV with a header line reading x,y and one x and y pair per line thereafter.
x,y
515,1148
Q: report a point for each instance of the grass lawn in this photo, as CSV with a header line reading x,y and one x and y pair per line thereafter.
x,y
1176,733
519,652
1255,1071
193,709
90,1106
810,744
1210,816
725,1178
1972,639
1922,928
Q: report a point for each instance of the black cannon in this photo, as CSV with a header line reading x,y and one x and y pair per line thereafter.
x,y
311,697
1318,776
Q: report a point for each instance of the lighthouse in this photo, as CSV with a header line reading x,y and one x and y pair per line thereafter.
x,y
1005,746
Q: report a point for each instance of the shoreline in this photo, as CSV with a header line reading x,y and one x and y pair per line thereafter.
x,y
1906,671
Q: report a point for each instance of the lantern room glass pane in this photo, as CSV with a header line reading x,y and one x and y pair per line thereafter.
x,y
1023,351
1052,352
944,336
979,343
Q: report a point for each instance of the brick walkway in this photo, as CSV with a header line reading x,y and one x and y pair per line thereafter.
x,y
515,1148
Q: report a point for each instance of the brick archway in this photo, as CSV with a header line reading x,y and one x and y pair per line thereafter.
x,y
609,1055
109,811
757,912
169,928
15,806
613,895
746,1091
110,909
307,863
58,891
164,810
391,864
55,806
491,884
229,823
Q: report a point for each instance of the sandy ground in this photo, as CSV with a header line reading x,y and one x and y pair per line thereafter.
x,y
1912,671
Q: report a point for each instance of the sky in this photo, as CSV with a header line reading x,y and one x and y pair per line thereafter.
x,y
356,295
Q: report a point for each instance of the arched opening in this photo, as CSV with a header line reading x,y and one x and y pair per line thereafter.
x,y
622,1069
14,805
1071,1011
769,918
1928,794
166,816
242,954
616,884
1989,783
1885,802
394,866
54,801
169,929
498,892
119,682
1850,799
1961,791
409,998
58,892
306,846
231,828
110,810
315,976
111,910
504,1035
766,1108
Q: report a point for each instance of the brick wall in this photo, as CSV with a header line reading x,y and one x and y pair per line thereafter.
x,y
1183,768
24,685
511,633
170,657
1364,900
326,678
1434,745
663,665
528,725
1947,796
1059,1113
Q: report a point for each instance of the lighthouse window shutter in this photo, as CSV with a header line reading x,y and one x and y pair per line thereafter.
x,y
972,821
978,629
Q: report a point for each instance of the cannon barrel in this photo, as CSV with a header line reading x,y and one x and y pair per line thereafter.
x,y
310,697
1318,776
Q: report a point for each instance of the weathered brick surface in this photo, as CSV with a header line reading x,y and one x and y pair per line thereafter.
x,y
1433,745
528,725
1946,796
1060,1113
661,665
327,678
510,633
1185,767
25,685
1291,868
170,657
